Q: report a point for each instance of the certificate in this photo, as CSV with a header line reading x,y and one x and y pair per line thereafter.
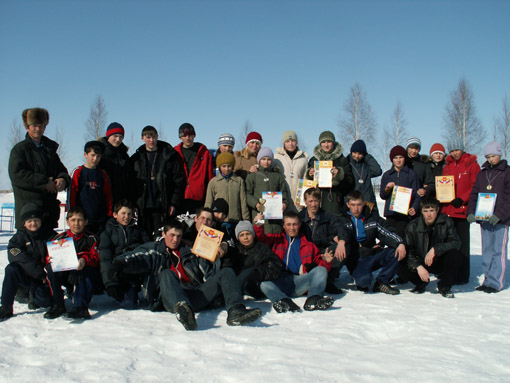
x,y
207,243
62,254
303,185
445,188
485,206
401,199
273,205
322,174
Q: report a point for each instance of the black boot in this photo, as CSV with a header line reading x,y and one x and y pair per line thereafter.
x,y
316,302
185,315
284,305
5,313
419,289
78,314
22,295
55,312
239,315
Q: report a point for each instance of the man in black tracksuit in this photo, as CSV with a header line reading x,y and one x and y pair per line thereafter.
x,y
180,282
433,247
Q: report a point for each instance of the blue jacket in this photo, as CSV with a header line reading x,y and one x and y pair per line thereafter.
x,y
407,178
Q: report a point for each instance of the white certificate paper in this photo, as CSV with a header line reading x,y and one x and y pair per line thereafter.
x,y
401,199
62,254
323,175
273,205
485,206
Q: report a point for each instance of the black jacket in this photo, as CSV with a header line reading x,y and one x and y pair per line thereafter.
x,y
151,258
365,170
422,168
168,173
28,249
29,171
444,238
117,240
375,228
115,162
325,228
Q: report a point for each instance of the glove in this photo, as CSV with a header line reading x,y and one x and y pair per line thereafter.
x,y
457,202
494,220
114,271
471,218
115,291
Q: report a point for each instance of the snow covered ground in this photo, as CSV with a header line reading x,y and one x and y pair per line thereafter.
x,y
363,338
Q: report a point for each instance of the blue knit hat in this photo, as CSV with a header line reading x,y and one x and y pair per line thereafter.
x,y
265,152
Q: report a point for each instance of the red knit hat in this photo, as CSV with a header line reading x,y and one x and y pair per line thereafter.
x,y
254,136
437,148
397,151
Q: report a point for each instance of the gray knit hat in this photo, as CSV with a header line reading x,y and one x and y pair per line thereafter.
x,y
244,226
326,136
413,141
455,144
226,139
289,135
265,152
493,148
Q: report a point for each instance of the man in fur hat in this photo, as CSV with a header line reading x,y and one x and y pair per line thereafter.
x,y
35,169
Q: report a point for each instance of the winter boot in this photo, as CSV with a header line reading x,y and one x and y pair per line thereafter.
x,y
446,292
284,305
185,315
5,313
316,302
54,312
239,315
22,295
380,287
419,289
78,313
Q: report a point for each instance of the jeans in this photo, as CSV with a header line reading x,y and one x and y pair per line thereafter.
x,y
291,285
15,277
384,260
84,282
224,282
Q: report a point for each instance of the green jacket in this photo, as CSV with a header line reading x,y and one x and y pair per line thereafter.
x,y
234,192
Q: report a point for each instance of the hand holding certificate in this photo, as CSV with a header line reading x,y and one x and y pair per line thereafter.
x,y
401,199
273,205
485,206
62,255
445,188
207,243
322,174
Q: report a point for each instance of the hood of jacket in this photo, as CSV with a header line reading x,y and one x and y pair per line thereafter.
x,y
321,155
466,158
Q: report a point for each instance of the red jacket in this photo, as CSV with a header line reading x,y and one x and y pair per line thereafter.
x,y
309,253
464,170
200,174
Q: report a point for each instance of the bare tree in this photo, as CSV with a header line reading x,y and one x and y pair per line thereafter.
x,y
161,132
384,149
358,120
398,125
502,128
302,145
244,133
59,138
15,134
96,123
460,118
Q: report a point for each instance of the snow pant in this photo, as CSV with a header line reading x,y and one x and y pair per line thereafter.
x,y
223,283
494,250
16,277
445,267
84,282
384,260
291,285
462,228
399,222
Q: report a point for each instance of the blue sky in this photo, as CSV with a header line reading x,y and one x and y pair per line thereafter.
x,y
216,64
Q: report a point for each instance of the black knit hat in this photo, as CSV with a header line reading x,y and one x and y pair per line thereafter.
x,y
30,210
220,206
186,129
114,128
359,147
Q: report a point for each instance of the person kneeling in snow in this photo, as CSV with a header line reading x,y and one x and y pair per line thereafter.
x,y
360,230
305,268
182,283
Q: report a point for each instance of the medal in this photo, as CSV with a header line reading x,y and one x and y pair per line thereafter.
x,y
360,181
489,187
291,175
153,178
266,179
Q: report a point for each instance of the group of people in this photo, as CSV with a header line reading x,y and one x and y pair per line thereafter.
x,y
134,220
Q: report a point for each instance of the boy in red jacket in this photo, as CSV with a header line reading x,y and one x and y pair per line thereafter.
x,y
305,268
84,278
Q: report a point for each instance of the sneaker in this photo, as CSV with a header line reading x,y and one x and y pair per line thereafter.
x,y
331,288
185,315
419,289
239,315
481,288
5,313
446,293
490,290
78,313
380,287
54,312
316,302
284,305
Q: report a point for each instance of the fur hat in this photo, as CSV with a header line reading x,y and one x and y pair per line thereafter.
x,y
265,152
30,210
397,151
455,144
492,148
244,226
220,206
35,116
289,135
226,139
327,136
186,129
254,136
359,147
413,141
225,158
437,148
114,128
